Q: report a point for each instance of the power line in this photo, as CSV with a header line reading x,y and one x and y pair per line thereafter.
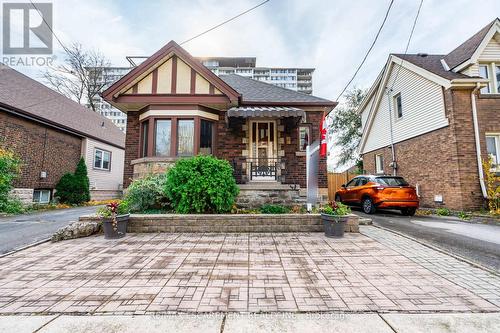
x,y
48,26
408,43
368,52
226,21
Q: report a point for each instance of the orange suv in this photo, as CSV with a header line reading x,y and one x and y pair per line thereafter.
x,y
372,192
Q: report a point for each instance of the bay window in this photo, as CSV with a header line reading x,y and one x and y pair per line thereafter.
x,y
206,137
176,136
185,137
162,137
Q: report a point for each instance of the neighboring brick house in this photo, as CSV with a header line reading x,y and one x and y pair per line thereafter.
x,y
433,119
50,133
177,107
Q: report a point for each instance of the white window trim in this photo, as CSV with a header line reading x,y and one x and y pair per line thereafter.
x,y
379,166
395,106
102,159
497,146
492,78
41,190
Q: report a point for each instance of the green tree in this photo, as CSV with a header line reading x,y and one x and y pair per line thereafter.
x,y
346,126
10,167
74,188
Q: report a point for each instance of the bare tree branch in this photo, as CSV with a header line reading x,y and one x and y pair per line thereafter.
x,y
80,76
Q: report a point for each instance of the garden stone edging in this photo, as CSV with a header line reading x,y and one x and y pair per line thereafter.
x,y
145,223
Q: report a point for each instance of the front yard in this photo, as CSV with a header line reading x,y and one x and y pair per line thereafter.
x,y
286,272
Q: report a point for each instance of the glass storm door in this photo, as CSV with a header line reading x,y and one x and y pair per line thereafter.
x,y
263,148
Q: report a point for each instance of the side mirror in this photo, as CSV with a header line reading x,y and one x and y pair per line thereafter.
x,y
343,185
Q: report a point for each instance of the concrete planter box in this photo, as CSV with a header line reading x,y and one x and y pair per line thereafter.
x,y
230,223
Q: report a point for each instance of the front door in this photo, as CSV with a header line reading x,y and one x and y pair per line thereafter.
x,y
263,150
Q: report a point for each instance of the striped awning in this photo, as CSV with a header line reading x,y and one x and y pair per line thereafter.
x,y
265,111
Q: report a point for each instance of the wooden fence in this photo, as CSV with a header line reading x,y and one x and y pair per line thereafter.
x,y
335,180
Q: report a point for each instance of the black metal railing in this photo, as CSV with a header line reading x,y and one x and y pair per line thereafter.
x,y
246,168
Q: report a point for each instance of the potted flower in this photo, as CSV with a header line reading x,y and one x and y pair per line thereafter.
x,y
334,217
114,218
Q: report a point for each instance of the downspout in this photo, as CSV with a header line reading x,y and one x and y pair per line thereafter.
x,y
478,143
393,151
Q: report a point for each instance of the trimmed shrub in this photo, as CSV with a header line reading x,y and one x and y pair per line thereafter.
x,y
74,188
274,209
10,167
148,193
201,184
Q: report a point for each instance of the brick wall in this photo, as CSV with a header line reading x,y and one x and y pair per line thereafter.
x,y
41,148
444,161
131,146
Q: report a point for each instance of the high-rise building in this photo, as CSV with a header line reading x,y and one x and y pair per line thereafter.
x,y
298,79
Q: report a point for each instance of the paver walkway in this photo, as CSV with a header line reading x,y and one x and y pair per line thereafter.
x,y
149,273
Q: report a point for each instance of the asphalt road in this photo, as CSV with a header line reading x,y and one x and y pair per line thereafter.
x,y
479,243
21,230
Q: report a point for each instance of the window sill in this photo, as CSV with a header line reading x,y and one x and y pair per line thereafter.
x,y
153,159
99,169
300,153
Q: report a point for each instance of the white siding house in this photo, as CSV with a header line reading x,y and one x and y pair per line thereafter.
x,y
422,111
105,165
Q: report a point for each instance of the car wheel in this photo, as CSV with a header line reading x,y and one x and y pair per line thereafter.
x,y
408,211
338,198
368,206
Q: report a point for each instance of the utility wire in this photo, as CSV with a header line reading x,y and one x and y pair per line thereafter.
x,y
408,43
226,21
48,26
368,52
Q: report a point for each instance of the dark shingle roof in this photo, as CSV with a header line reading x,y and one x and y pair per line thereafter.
x,y
253,91
466,50
432,63
32,98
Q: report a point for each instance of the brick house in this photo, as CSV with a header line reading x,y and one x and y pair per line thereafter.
x,y
50,133
433,119
177,107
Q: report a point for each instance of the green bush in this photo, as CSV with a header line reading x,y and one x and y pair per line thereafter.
x,y
274,209
443,212
10,167
74,188
147,193
201,184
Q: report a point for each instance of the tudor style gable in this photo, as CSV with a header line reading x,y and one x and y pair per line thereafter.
x,y
170,76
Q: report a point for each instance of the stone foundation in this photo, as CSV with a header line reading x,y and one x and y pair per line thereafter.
x,y
249,198
151,165
23,194
237,223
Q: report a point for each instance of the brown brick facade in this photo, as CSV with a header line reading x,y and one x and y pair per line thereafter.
x,y
41,148
444,161
230,144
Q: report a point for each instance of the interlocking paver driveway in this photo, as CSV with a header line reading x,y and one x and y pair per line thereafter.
x,y
145,273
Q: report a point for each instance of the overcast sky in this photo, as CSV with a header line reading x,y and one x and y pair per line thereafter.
x,y
331,36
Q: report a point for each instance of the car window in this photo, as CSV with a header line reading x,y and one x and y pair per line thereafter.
x,y
352,183
362,181
391,181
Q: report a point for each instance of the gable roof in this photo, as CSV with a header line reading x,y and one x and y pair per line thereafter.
x,y
156,59
432,63
257,92
466,50
23,95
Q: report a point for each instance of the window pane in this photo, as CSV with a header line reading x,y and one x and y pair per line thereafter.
x,y
400,107
106,158
205,137
144,139
44,196
492,149
185,137
36,196
98,159
304,137
162,137
497,74
483,72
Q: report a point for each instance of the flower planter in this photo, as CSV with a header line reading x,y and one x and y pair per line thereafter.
x,y
334,225
121,227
